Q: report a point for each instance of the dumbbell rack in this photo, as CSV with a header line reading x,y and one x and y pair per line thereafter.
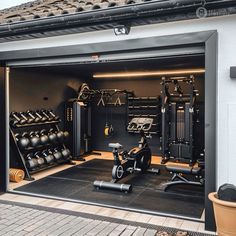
x,y
145,107
23,153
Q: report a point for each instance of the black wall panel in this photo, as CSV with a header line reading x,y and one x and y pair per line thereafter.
x,y
117,115
36,89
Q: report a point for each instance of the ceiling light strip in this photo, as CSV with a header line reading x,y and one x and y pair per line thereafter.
x,y
149,73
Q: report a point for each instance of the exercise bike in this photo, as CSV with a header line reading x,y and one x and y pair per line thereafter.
x,y
138,159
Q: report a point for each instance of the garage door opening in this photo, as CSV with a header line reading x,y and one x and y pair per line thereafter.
x,y
164,97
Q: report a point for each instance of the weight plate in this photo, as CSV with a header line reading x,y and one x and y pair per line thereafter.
x,y
106,131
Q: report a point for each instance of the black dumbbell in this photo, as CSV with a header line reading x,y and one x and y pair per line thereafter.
x,y
52,136
13,122
28,119
22,140
66,154
44,113
15,119
48,156
52,115
44,139
34,117
39,158
42,118
66,136
57,154
34,139
31,162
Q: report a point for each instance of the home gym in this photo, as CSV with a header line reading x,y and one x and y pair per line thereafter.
x,y
127,124
127,134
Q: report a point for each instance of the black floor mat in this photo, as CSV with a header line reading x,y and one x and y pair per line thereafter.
x,y
77,183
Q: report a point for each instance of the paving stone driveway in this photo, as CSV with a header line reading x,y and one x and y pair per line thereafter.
x,y
24,219
17,220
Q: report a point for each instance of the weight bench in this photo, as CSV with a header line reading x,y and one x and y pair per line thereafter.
x,y
179,177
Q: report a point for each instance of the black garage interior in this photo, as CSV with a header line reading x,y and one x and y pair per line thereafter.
x,y
117,92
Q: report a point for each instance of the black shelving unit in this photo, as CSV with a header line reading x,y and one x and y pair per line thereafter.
x,y
22,153
37,124
146,107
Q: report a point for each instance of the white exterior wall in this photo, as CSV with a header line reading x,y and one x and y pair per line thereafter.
x,y
226,94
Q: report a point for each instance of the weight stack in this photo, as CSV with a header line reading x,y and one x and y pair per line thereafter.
x,y
78,124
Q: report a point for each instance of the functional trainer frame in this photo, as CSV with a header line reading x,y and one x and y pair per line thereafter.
x,y
179,113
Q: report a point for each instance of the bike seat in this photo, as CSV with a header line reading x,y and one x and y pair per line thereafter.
x,y
133,152
115,145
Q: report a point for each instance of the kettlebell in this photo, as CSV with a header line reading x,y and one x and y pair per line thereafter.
x,y
34,139
60,136
52,136
22,140
66,136
44,139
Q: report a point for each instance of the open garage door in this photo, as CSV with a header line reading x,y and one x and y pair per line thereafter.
x,y
89,58
103,57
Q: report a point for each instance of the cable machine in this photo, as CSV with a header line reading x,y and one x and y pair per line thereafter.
x,y
179,120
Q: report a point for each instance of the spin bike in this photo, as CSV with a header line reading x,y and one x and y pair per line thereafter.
x,y
138,159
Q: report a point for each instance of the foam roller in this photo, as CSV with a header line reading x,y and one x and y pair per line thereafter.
x,y
16,175
113,186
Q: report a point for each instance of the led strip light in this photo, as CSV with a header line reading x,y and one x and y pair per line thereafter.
x,y
149,73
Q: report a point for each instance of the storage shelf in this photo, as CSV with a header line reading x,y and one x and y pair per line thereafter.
x,y
143,98
41,147
48,166
146,132
142,107
141,115
23,152
115,105
37,124
145,107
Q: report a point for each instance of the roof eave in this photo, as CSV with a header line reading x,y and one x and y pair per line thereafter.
x,y
116,14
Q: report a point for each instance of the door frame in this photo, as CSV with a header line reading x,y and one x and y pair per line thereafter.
x,y
207,39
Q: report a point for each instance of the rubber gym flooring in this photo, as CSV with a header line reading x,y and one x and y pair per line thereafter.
x,y
77,183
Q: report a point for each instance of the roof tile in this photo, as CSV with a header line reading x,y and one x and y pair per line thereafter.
x,y
48,8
